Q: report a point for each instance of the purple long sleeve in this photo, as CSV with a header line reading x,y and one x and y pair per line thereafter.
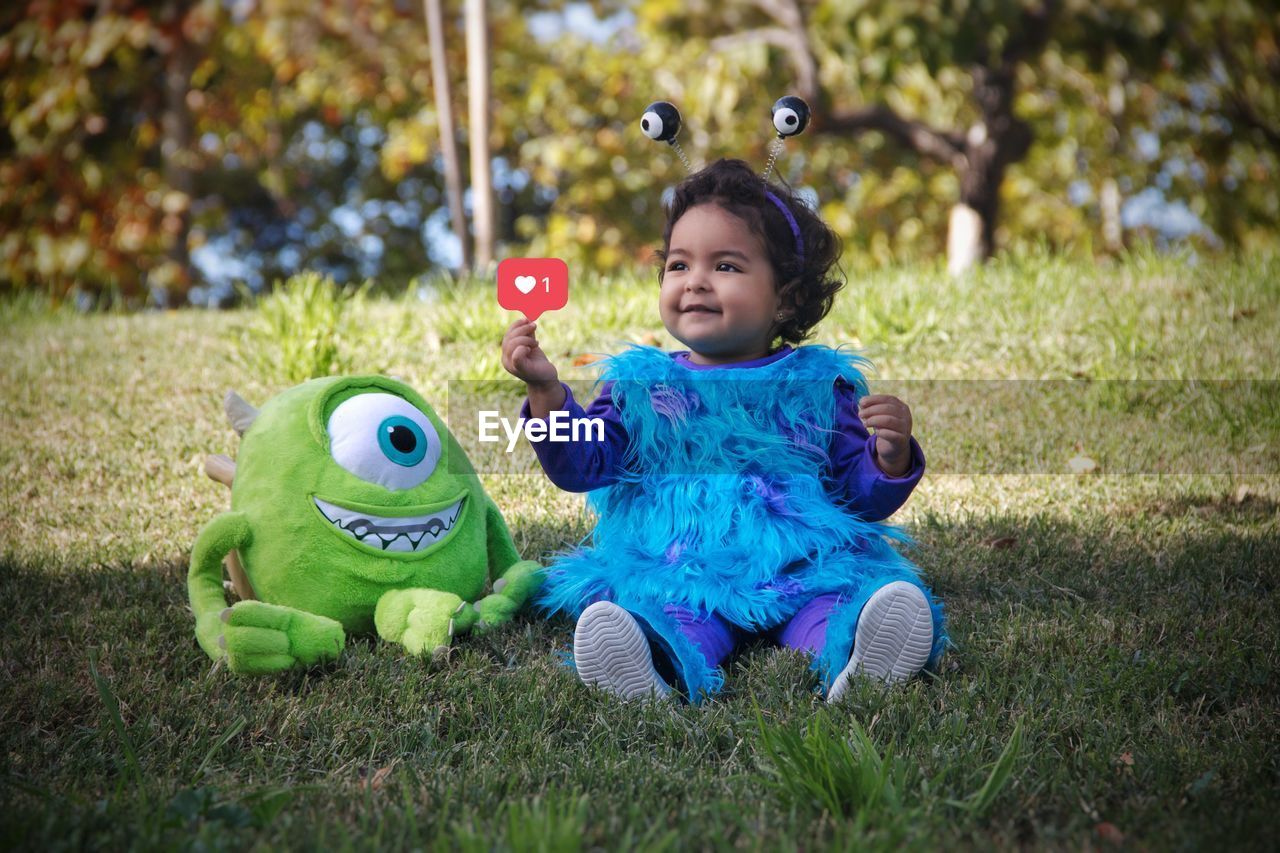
x,y
855,481
580,466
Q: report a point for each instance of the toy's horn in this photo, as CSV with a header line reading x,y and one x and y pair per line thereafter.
x,y
239,413
220,468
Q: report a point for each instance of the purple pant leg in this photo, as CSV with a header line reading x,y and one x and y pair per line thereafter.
x,y
714,637
807,630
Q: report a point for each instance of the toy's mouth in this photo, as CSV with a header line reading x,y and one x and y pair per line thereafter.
x,y
407,534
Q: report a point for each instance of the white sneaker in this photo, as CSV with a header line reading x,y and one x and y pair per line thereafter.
x,y
893,639
610,652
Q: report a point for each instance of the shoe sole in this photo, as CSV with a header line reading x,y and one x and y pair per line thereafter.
x,y
893,639
610,652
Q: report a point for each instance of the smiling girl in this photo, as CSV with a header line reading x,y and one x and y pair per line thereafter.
x,y
738,490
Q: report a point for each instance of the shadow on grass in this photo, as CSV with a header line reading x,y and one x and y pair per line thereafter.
x,y
1241,506
1139,656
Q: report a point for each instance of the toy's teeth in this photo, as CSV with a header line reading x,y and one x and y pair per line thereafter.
x,y
403,534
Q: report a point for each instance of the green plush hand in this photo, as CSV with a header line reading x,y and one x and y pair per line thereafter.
x,y
492,611
260,638
519,581
465,619
509,593
487,613
422,620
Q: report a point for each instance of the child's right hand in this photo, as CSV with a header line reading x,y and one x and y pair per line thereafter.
x,y
523,358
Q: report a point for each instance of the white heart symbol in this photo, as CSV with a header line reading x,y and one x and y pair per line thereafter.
x,y
525,283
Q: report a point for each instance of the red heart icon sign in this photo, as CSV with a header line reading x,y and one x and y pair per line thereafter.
x,y
533,285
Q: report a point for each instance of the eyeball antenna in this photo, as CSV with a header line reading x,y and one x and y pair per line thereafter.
x,y
790,116
661,123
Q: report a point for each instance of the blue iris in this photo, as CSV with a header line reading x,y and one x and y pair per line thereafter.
x,y
402,441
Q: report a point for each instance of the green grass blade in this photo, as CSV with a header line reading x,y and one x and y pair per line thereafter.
x,y
1001,773
231,732
113,710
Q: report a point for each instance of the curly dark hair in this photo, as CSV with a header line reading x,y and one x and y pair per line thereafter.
x,y
806,286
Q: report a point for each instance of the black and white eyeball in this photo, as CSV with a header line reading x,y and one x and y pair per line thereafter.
x,y
661,121
790,116
383,439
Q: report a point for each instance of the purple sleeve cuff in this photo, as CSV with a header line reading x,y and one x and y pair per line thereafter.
x,y
586,464
856,480
884,495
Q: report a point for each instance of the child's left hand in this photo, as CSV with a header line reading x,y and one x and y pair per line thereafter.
x,y
891,419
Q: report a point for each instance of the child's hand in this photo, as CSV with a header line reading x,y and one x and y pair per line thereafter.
x,y
523,358
891,419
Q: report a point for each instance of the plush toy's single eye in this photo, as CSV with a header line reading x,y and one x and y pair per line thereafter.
x,y
402,441
384,439
790,115
661,121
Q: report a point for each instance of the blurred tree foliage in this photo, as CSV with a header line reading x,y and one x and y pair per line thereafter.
x,y
1214,103
1119,98
277,135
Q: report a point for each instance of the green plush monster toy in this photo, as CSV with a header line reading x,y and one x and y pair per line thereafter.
x,y
352,509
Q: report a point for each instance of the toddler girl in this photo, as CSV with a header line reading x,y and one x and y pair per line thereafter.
x,y
738,491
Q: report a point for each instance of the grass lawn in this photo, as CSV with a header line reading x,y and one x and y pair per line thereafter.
x,y
1121,623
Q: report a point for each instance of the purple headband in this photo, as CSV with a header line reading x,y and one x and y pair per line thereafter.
x,y
791,220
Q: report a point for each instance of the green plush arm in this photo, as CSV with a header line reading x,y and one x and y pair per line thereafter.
x,y
224,533
514,579
255,637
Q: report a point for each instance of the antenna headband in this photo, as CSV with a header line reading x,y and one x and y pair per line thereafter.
x,y
791,220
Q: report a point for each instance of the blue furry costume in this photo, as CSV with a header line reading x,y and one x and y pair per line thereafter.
x,y
722,507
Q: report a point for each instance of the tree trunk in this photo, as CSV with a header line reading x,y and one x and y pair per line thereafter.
x,y
444,115
175,149
964,238
1109,204
1109,200
478,99
971,229
998,139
